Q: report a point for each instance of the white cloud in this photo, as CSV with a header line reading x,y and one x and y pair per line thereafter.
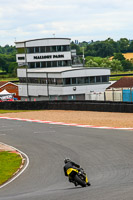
x,y
79,19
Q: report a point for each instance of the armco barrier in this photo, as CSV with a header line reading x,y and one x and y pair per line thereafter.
x,y
102,106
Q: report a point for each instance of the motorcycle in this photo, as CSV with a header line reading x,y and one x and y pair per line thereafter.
x,y
78,177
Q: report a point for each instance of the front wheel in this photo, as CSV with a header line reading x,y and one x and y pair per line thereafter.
x,y
79,181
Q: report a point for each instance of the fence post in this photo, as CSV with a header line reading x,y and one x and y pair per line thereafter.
x,y
113,94
104,96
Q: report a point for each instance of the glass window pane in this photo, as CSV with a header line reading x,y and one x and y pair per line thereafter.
x,y
43,64
48,49
67,81
36,49
55,64
31,65
20,50
58,48
31,49
49,64
59,81
98,79
86,79
37,64
92,79
60,63
53,48
104,78
80,80
73,80
42,49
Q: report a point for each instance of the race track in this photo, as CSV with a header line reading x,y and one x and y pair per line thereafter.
x,y
106,156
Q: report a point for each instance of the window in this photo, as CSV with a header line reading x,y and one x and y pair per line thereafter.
x,y
67,81
48,49
105,79
49,64
65,48
60,63
92,79
21,58
20,50
98,79
43,64
80,80
58,48
51,80
30,49
73,80
36,49
55,64
53,49
86,79
31,65
59,81
22,80
42,49
43,80
37,64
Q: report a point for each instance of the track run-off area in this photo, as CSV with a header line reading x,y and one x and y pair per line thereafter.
x,y
105,154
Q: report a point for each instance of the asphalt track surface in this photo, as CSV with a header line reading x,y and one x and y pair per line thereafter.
x,y
106,156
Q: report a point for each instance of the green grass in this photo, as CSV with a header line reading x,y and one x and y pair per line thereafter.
x,y
9,164
116,78
12,111
122,72
9,79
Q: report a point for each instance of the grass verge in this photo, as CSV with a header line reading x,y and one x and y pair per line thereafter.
x,y
9,164
12,111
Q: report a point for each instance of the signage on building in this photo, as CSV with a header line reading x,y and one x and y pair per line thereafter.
x,y
49,56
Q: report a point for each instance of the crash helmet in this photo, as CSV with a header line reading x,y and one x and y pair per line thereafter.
x,y
66,160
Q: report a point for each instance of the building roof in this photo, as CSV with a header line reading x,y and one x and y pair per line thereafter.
x,y
125,82
4,83
61,69
43,39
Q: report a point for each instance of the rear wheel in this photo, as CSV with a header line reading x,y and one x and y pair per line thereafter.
x,y
79,181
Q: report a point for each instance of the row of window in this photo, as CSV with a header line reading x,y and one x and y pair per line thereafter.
x,y
44,49
61,63
66,81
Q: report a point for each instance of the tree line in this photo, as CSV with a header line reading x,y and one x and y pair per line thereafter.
x,y
8,60
97,54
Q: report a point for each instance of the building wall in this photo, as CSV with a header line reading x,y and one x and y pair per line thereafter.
x,y
43,90
11,88
86,72
29,57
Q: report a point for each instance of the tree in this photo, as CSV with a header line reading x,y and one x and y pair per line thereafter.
x,y
75,46
118,56
3,63
123,45
127,65
130,48
116,65
91,63
12,69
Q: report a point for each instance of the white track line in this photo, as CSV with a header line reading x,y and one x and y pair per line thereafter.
x,y
21,171
66,124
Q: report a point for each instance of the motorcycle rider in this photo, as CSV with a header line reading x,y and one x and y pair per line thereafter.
x,y
67,170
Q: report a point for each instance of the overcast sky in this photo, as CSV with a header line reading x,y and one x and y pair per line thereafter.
x,y
82,20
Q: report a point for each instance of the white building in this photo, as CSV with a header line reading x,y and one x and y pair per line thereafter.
x,y
54,72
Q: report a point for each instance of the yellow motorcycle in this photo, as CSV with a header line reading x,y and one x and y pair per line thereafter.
x,y
78,177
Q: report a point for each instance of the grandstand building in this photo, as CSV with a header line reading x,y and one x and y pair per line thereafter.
x,y
49,70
